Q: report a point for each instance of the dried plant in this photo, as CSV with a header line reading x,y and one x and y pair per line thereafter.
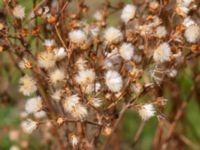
x,y
80,74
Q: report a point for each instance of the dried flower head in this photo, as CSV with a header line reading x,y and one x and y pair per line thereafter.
x,y
128,13
60,53
113,35
27,85
79,112
77,37
74,140
126,51
161,31
85,77
29,126
46,60
33,104
162,53
49,44
146,111
113,80
56,76
192,33
70,102
96,102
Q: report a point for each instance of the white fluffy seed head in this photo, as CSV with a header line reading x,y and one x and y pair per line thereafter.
x,y
29,126
49,43
188,22
60,53
79,112
27,85
85,77
113,80
77,36
19,12
161,31
128,13
70,102
98,16
113,35
40,114
33,104
192,33
126,51
56,76
73,106
147,111
46,60
74,140
162,53
96,102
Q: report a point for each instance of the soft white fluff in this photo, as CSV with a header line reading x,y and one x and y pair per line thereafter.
x,y
113,80
19,12
96,102
49,43
29,126
27,85
128,13
126,51
162,53
98,16
161,31
74,140
188,22
46,60
85,77
60,53
33,104
70,102
40,114
147,111
77,36
56,76
113,35
192,33
79,112
74,107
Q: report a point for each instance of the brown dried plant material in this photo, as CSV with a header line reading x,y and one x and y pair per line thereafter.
x,y
36,30
24,32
